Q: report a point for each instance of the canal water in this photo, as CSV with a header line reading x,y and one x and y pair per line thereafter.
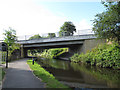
x,y
81,76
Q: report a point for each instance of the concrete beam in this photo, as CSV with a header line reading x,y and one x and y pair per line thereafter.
x,y
53,44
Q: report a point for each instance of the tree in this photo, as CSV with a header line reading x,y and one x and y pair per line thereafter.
x,y
50,35
107,24
10,38
67,29
37,36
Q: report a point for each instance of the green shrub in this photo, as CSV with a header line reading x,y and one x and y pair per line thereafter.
x,y
104,55
53,53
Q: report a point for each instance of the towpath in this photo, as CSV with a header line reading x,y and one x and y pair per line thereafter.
x,y
19,75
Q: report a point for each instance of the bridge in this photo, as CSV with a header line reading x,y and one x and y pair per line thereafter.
x,y
76,44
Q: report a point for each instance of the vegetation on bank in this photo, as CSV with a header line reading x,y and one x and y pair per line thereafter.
x,y
53,53
46,77
104,55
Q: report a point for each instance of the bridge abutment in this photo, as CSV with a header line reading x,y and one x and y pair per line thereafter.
x,y
87,45
23,52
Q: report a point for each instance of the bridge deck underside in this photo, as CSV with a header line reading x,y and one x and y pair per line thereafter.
x,y
53,44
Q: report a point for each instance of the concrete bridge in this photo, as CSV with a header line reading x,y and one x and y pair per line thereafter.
x,y
76,44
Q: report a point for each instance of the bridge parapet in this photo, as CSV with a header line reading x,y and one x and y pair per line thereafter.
x,y
57,39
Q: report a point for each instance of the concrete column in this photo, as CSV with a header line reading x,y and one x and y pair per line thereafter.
x,y
23,52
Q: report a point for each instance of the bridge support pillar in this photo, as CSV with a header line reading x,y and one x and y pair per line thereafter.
x,y
88,45
23,52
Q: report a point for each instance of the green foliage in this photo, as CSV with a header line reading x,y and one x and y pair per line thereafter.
x,y
107,24
51,35
75,57
2,74
53,53
10,38
67,29
107,56
37,36
46,77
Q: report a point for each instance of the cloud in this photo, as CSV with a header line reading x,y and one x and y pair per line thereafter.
x,y
83,24
83,27
27,17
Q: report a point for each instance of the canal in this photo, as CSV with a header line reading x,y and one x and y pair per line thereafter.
x,y
81,76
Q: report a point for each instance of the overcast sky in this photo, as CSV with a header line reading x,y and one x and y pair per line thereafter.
x,y
30,17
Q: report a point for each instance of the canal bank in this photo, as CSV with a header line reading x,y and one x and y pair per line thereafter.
x,y
84,72
49,79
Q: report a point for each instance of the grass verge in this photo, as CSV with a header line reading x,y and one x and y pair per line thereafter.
x,y
46,77
2,74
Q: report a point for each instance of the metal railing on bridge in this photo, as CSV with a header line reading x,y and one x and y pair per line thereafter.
x,y
44,35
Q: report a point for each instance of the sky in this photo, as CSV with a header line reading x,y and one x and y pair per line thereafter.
x,y
29,17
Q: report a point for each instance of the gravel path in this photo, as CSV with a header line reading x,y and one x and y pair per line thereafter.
x,y
19,75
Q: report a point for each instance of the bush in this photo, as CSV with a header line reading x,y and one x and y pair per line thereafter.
x,y
53,53
107,56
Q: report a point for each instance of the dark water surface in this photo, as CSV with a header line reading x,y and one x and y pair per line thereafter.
x,y
81,76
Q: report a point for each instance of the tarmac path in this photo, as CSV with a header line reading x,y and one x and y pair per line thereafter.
x,y
19,75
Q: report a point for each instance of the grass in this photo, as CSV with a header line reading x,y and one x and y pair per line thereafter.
x,y
46,77
3,62
2,74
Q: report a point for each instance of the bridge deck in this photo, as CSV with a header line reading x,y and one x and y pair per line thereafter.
x,y
58,39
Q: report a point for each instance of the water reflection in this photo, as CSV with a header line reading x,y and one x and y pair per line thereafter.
x,y
58,64
110,77
76,75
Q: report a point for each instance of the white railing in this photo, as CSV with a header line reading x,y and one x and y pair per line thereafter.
x,y
78,32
